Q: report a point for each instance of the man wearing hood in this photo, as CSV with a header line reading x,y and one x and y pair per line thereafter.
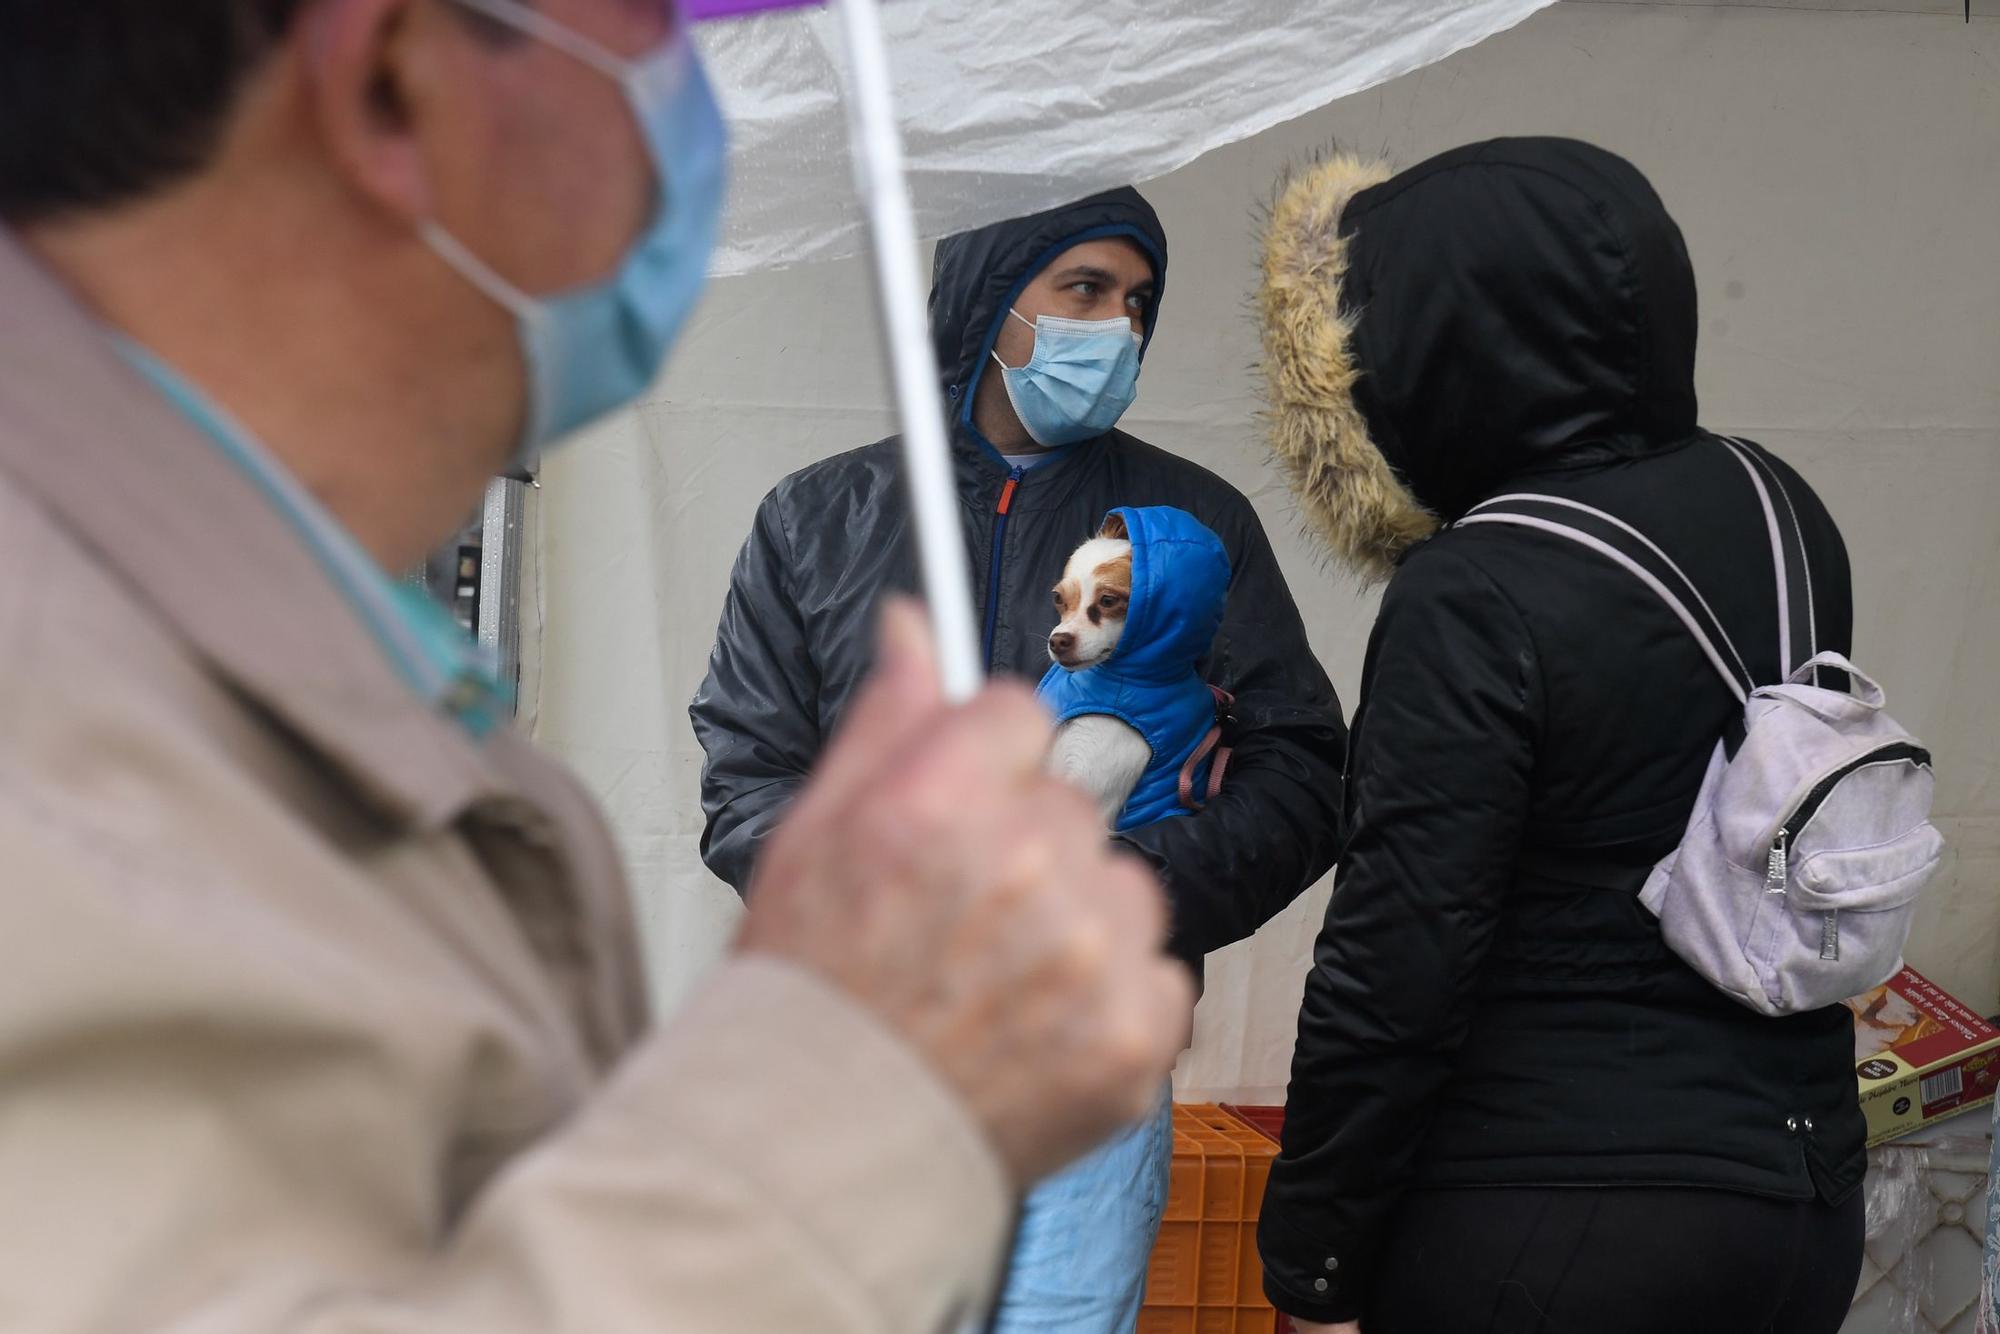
x,y
1513,1106
1040,326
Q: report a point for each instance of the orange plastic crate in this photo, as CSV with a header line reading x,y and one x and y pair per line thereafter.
x,y
1269,1120
1205,1277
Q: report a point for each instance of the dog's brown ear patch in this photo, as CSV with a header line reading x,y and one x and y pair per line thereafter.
x,y
1114,577
1114,527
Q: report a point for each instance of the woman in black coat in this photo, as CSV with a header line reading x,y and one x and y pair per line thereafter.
x,y
1512,1107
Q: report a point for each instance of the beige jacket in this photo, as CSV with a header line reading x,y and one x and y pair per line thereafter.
x,y
315,1015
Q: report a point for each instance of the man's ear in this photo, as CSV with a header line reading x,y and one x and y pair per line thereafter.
x,y
1114,527
369,81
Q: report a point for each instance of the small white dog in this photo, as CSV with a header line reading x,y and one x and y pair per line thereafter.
x,y
1102,755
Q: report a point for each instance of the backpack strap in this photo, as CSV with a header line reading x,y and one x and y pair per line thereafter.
x,y
1731,668
1798,619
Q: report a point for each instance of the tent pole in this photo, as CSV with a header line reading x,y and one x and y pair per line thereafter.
x,y
877,151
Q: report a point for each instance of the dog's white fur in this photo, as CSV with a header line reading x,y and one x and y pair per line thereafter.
x,y
1102,755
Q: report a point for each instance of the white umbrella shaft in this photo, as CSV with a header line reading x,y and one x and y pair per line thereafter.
x,y
877,150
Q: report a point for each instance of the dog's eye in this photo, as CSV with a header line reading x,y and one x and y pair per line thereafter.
x,y
1109,601
1056,598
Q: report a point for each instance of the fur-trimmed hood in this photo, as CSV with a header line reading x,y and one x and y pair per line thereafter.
x,y
1429,335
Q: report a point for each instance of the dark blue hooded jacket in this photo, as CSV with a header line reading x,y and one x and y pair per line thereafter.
x,y
1180,583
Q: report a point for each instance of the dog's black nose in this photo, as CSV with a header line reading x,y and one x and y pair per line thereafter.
x,y
1062,643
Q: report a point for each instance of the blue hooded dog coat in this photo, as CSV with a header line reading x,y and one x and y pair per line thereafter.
x,y
1180,581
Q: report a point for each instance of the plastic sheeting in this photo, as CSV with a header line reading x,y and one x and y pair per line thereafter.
x,y
1008,109
1989,1278
1927,1197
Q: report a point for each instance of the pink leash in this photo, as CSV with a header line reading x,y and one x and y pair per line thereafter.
x,y
1210,744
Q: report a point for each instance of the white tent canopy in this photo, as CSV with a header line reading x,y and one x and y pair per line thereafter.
x,y
1011,108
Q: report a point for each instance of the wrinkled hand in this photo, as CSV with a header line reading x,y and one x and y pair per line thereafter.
x,y
933,872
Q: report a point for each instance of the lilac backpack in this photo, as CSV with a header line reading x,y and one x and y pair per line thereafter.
x,y
1794,885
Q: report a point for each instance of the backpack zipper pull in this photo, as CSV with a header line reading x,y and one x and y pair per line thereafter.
x,y
1777,869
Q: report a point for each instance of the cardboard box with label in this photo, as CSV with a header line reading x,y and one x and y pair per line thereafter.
x,y
1919,1055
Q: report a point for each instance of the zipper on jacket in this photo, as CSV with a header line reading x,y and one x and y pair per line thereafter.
x,y
1000,512
1777,868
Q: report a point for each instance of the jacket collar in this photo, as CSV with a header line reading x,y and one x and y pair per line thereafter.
x,y
983,473
158,505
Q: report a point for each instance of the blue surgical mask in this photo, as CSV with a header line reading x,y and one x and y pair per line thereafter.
x,y
1076,386
592,349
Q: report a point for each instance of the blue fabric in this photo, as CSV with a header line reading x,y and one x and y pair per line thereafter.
x,y
1086,1234
437,659
1180,581
1079,1264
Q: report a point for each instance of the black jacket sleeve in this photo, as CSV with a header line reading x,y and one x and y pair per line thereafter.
x,y
1438,798
756,714
1273,829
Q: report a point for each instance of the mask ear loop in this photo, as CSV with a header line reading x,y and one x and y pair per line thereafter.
x,y
478,272
531,23
995,352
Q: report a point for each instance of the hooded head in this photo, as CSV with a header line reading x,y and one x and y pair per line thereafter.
x,y
978,277
1176,593
1430,334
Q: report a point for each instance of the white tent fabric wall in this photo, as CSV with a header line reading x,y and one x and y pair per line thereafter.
x,y
1011,108
1835,176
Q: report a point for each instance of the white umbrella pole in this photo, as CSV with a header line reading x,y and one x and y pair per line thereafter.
x,y
877,150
